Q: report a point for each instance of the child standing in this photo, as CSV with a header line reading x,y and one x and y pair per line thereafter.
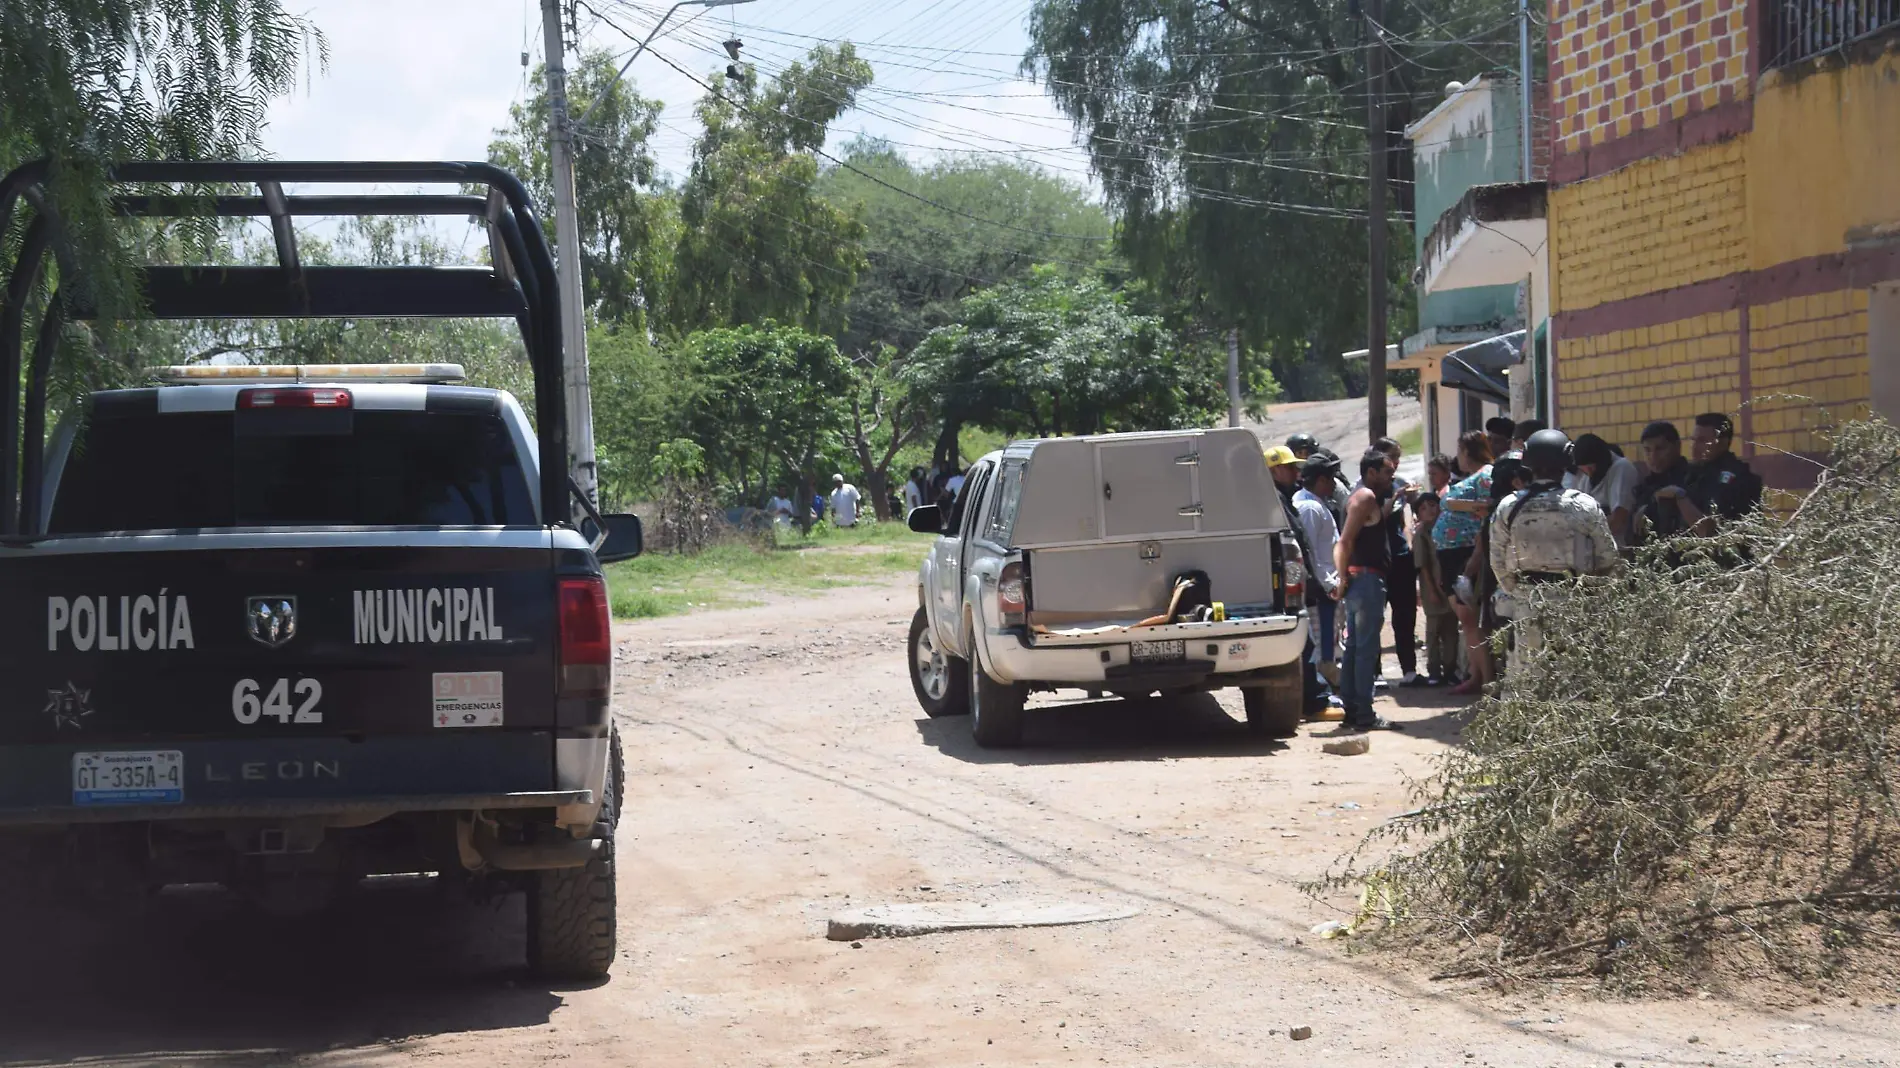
x,y
1441,626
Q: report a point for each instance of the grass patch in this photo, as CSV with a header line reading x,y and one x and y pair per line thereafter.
x,y
739,574
1412,441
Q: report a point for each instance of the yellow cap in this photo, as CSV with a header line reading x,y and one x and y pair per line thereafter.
x,y
1279,456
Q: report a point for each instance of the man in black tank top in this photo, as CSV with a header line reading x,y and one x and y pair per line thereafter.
x,y
1364,556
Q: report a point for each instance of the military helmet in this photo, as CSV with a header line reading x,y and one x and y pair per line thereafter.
x,y
1546,449
1302,442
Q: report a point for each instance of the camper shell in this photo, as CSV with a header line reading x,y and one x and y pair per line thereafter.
x,y
1124,563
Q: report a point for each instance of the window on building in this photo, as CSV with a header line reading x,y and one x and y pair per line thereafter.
x,y
1470,412
1802,29
1883,349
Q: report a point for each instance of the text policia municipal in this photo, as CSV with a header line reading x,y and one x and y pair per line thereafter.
x,y
390,617
114,623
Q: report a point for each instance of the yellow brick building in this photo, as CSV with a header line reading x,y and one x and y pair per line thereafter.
x,y
1724,218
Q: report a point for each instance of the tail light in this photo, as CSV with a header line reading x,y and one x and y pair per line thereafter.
x,y
300,397
1012,594
1293,573
587,647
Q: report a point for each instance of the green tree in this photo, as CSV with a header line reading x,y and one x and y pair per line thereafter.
x,y
763,397
1054,356
628,219
89,82
757,242
1229,135
923,259
636,400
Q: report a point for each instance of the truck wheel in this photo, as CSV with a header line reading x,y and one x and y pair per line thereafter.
x,y
937,677
571,911
1273,709
996,710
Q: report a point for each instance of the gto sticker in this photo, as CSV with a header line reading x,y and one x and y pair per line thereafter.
x,y
468,698
1236,650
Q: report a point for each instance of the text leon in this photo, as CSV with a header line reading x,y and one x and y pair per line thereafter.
x,y
125,622
454,614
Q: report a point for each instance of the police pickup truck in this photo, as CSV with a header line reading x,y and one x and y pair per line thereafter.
x,y
287,628
286,634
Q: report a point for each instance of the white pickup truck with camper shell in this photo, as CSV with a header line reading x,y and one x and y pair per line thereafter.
x,y
1130,564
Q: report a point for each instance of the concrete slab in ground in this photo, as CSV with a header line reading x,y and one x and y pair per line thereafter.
x,y
909,920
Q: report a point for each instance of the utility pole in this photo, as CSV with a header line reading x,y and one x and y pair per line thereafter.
x,y
567,233
1233,376
1524,81
1375,219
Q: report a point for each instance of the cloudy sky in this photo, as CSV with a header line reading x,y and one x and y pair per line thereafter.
x,y
430,79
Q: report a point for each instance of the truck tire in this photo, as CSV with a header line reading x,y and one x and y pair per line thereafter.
x,y
996,710
617,771
572,917
940,680
1275,706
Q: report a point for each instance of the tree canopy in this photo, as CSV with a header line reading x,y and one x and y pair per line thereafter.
x,y
628,218
89,82
1230,140
1052,356
922,259
757,242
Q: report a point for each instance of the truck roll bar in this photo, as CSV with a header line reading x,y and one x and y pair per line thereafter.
x,y
520,283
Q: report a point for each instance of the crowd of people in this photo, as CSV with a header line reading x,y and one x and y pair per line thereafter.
x,y
1518,507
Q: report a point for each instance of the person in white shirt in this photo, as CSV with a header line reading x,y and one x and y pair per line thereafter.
x,y
1609,478
844,502
914,490
779,507
1318,476
954,485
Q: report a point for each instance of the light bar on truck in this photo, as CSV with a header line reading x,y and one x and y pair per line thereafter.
x,y
416,373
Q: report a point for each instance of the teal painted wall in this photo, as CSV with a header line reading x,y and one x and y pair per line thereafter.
x,y
1475,143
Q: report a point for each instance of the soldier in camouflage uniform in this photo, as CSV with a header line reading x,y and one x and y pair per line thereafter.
x,y
1544,534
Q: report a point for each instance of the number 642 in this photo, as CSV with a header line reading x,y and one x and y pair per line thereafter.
x,y
247,708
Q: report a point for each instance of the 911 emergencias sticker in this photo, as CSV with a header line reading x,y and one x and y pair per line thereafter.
x,y
468,699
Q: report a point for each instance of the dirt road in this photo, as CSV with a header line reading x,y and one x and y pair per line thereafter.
x,y
779,771
1340,425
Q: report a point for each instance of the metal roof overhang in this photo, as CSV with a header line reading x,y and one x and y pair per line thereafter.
x,y
1481,368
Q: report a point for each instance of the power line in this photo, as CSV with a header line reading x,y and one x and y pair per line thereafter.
x,y
820,152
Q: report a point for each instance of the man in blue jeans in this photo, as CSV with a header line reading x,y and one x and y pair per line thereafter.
x,y
1363,557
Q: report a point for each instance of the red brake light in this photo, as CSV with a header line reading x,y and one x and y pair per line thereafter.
x,y
587,646
1293,580
300,397
1012,594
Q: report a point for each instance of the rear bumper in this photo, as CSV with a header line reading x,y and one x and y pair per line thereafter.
x,y
1224,653
276,776
356,809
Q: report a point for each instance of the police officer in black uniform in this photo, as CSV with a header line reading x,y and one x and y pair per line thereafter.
x,y
1720,485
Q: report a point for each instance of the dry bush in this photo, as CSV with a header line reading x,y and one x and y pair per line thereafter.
x,y
1696,772
687,518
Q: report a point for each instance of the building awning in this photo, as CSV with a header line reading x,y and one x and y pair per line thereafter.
x,y
1481,368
